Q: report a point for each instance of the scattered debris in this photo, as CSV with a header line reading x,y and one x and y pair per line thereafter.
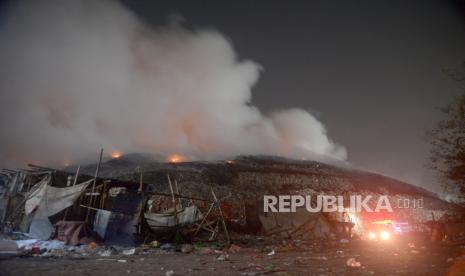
x,y
92,245
131,251
187,248
167,247
105,253
154,244
223,257
235,248
205,251
352,263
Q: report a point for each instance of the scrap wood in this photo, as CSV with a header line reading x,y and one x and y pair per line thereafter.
x,y
204,219
215,204
221,215
207,227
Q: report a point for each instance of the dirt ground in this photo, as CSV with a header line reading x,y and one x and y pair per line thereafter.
x,y
376,258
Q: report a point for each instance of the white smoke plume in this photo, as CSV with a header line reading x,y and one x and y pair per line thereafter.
x,y
79,75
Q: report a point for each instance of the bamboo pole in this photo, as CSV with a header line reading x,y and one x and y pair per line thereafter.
x,y
174,201
204,219
94,183
74,184
88,207
103,194
76,176
177,192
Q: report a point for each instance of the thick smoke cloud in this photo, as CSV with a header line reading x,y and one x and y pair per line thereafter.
x,y
79,75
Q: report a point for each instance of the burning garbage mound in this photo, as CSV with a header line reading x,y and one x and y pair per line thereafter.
x,y
150,206
192,198
243,181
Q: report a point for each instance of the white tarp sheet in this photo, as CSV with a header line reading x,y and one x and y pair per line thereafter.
x,y
36,195
47,201
184,217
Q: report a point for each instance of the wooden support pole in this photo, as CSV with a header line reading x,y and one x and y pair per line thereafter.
x,y
103,194
74,184
91,200
76,176
174,201
177,192
141,182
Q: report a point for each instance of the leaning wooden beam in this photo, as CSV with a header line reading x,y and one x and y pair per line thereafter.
x,y
9,171
36,172
218,205
40,167
91,201
26,170
88,207
204,219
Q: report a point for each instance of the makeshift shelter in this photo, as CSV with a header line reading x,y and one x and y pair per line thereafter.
x,y
118,219
46,201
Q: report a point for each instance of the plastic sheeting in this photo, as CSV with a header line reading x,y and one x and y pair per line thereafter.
x,y
125,209
47,201
102,217
166,221
36,195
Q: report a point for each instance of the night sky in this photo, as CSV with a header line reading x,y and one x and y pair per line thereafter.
x,y
372,71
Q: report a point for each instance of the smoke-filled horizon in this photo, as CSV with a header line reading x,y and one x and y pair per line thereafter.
x,y
76,76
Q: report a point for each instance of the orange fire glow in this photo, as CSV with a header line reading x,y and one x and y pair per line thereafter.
x,y
116,154
175,158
